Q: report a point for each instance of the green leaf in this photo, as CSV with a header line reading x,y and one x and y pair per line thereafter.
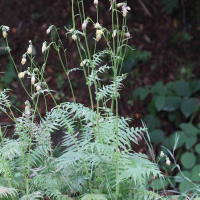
x,y
179,178
181,141
157,185
159,88
141,92
190,141
170,5
197,148
196,173
182,88
185,186
189,129
160,101
170,86
172,103
157,135
152,122
166,143
129,64
10,74
151,108
188,160
188,106
195,85
172,116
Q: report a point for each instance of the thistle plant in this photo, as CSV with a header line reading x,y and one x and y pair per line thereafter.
x,y
99,162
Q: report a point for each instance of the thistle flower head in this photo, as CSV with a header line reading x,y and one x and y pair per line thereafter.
x,y
74,37
21,75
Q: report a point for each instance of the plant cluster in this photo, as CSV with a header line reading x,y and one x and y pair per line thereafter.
x,y
178,102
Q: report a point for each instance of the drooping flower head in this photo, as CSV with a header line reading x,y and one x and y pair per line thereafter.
x,y
23,61
44,47
96,2
5,29
84,25
29,50
74,37
48,30
21,75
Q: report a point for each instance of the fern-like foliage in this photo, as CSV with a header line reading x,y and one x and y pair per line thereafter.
x,y
4,102
5,192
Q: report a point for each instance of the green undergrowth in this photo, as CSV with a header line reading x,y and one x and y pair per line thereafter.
x,y
98,161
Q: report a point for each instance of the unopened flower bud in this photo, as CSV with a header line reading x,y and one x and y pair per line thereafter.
x,y
33,80
168,162
119,5
6,28
128,8
48,30
29,50
114,33
38,88
74,37
162,154
98,37
23,61
96,2
44,47
124,11
128,35
4,34
84,25
27,112
71,30
21,75
36,70
82,63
